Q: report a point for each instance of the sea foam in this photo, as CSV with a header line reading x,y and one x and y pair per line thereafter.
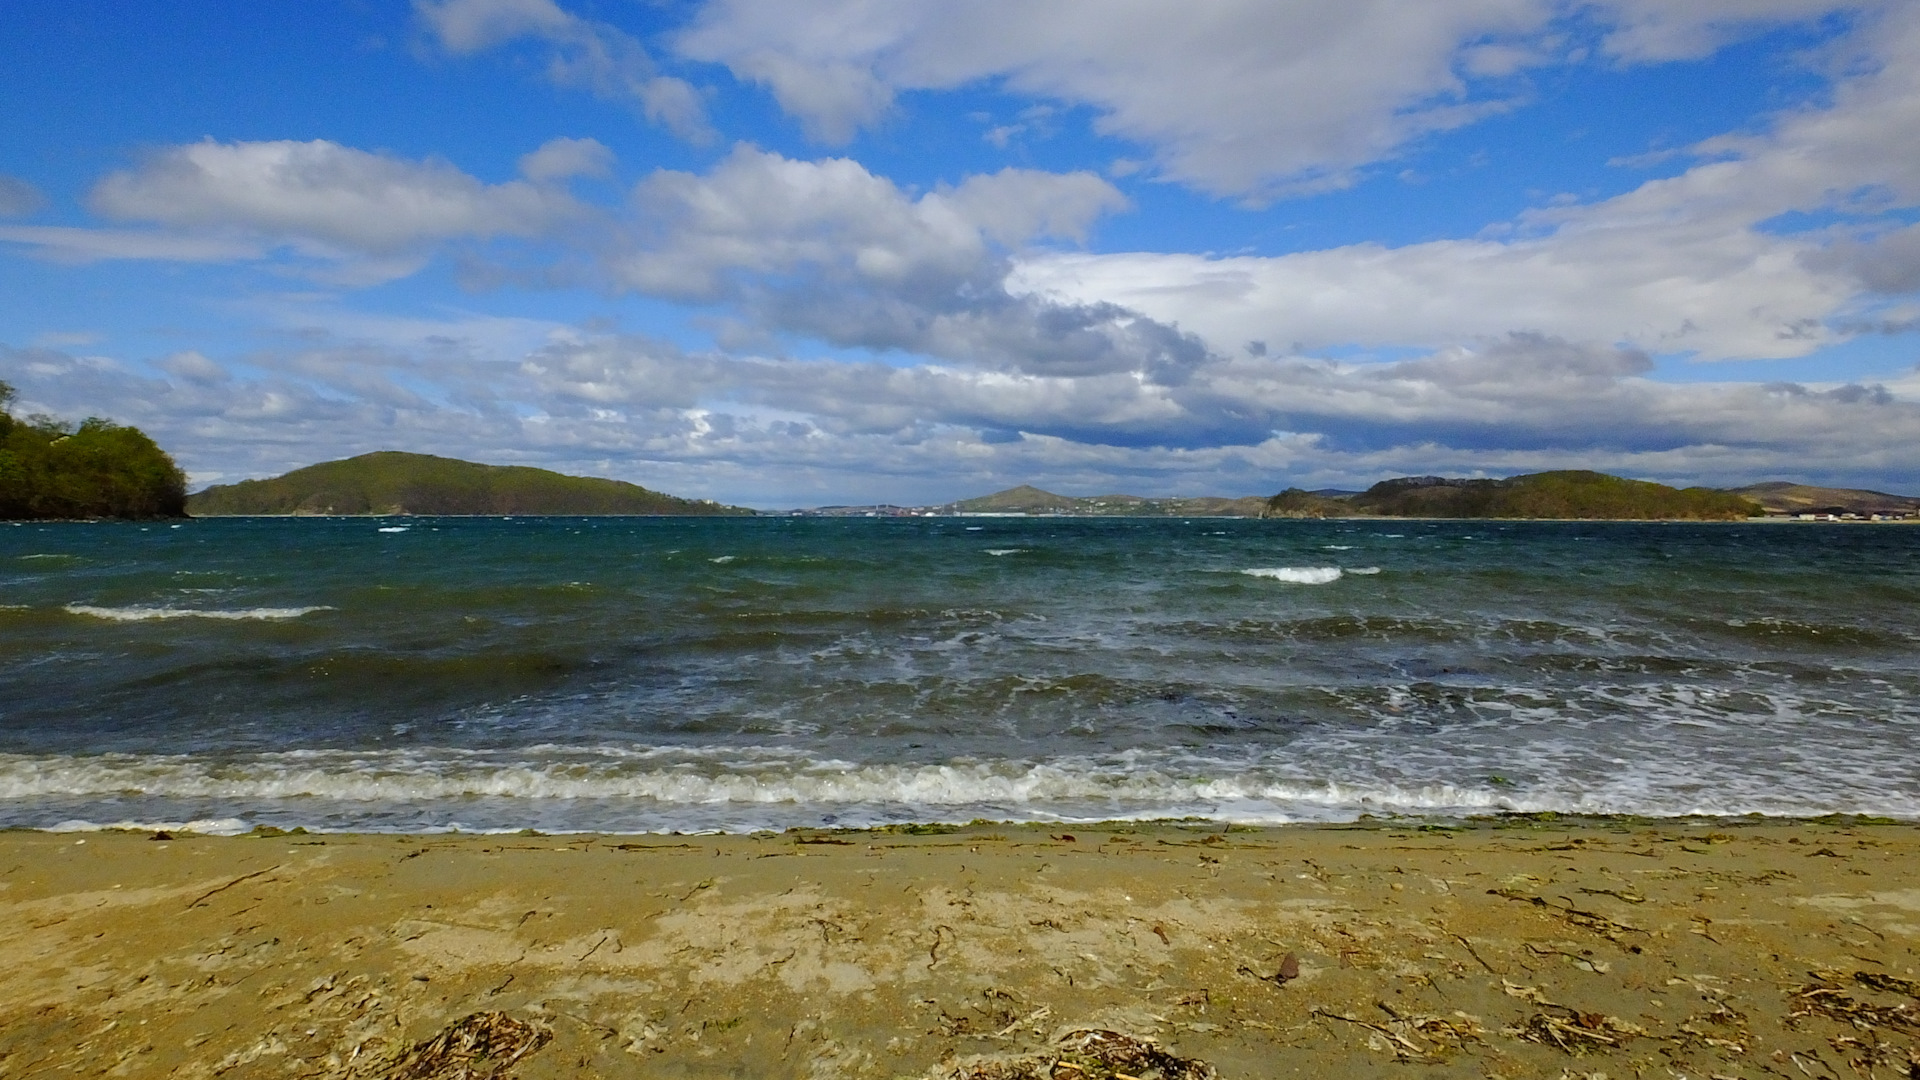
x,y
1297,575
146,614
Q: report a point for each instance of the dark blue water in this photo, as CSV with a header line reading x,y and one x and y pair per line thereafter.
x,y
663,673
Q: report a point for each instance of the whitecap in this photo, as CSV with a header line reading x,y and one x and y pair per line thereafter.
x,y
145,614
1297,575
723,559
1338,547
1363,569
1005,551
394,528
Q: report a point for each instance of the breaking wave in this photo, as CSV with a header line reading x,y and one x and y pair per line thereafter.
x,y
146,614
1297,575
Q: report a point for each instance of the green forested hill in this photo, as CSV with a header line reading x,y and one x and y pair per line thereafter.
x,y
95,469
1571,494
391,482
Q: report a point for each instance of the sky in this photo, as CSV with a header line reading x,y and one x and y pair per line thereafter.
x,y
797,252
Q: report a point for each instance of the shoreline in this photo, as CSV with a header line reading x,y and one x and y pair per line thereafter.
x,y
1520,946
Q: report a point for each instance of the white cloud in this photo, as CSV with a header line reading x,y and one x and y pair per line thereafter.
x,y
323,192
1237,97
19,198
563,158
761,213
778,431
827,249
1647,31
582,52
1683,264
60,243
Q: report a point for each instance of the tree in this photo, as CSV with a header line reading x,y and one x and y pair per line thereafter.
x,y
97,469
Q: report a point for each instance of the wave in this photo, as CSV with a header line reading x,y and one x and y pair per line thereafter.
x,y
146,614
650,788
1005,551
1297,575
340,790
407,777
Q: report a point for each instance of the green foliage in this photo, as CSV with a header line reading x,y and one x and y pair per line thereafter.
x,y
1571,494
1295,503
98,469
391,482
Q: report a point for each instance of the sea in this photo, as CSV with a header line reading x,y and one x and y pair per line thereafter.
x,y
726,674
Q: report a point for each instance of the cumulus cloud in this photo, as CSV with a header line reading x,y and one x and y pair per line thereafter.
x,y
1237,97
828,249
563,158
357,218
581,52
1689,263
322,191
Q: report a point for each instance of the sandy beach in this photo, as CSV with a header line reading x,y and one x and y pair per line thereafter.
x,y
1520,948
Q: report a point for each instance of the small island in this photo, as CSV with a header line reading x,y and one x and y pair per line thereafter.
x,y
392,482
1569,495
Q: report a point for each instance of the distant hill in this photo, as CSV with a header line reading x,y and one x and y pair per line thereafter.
x,y
1027,499
94,469
391,482
1567,495
1782,497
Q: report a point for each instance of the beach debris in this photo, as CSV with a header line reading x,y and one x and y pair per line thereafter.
x,y
481,1046
1572,1030
1583,960
1575,1032
1475,953
1289,971
1892,984
1402,1034
1586,920
1086,1054
1825,999
211,893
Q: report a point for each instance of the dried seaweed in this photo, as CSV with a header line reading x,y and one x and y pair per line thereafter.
x,y
1835,1004
1088,1054
1402,1034
482,1046
1576,1032
1572,1030
1586,920
1892,984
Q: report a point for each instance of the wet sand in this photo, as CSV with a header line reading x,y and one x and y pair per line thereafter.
x,y
1522,948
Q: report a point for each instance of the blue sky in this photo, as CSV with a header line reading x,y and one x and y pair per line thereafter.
x,y
788,253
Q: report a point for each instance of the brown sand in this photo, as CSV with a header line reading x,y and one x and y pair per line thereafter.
x,y
1517,949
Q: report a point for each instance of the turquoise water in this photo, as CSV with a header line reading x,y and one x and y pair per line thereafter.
x,y
660,673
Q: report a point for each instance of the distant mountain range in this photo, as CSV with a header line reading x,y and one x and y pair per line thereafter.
x,y
1570,494
1026,499
391,482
